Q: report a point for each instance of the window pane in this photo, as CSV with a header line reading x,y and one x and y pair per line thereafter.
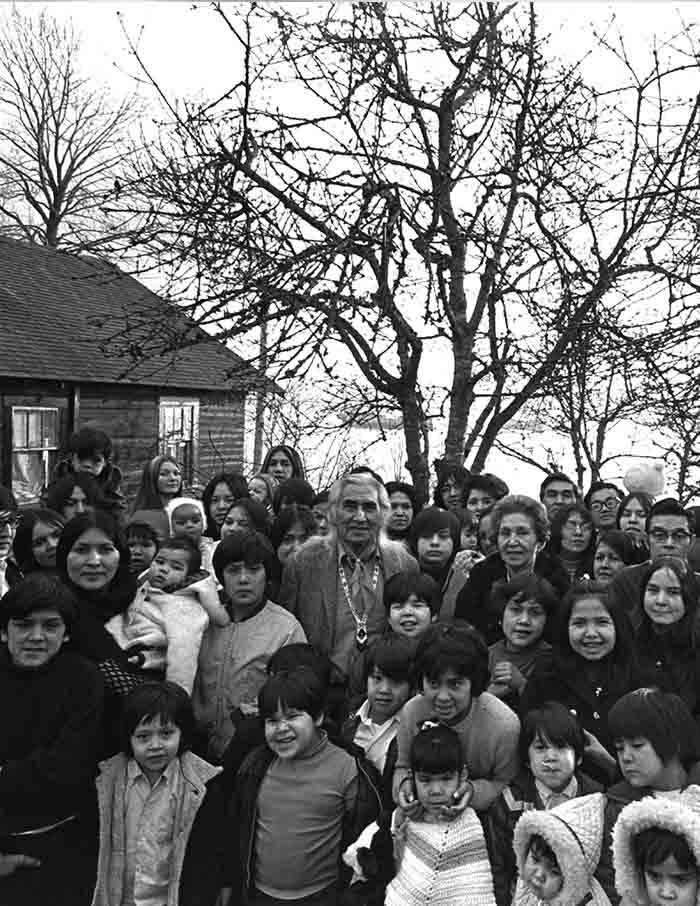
x,y
49,429
19,428
27,477
34,431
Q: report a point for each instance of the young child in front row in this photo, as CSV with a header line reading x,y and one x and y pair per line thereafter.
x,y
389,669
452,671
656,847
658,743
557,851
438,856
551,749
164,624
162,815
298,802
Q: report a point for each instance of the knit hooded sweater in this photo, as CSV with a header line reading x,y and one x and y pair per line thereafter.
x,y
680,816
574,831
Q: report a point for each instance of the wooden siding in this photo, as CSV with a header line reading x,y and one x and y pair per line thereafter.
x,y
129,415
221,426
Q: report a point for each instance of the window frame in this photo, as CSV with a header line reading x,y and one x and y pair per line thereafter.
x,y
190,463
45,449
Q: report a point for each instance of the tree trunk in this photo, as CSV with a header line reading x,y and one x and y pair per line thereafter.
x,y
416,437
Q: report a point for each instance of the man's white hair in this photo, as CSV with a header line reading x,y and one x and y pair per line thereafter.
x,y
363,479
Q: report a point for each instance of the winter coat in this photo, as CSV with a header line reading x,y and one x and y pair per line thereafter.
x,y
617,797
590,703
347,735
518,797
669,660
167,627
574,831
197,857
243,813
474,600
679,816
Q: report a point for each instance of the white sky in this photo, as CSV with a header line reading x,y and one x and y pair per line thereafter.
x,y
190,53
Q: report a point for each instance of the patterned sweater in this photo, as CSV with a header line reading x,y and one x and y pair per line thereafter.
x,y
444,863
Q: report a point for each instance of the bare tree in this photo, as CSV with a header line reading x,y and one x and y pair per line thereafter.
x,y
62,142
442,206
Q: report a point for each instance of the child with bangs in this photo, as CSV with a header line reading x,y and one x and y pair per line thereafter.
x,y
388,680
161,811
658,747
298,802
656,847
412,601
551,750
437,856
452,673
526,604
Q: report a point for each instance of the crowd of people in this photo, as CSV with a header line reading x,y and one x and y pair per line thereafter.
x,y
275,694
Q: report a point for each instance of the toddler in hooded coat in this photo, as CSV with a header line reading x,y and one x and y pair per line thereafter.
x,y
664,867
573,832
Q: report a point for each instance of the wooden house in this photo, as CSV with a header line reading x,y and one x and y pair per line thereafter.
x,y
82,344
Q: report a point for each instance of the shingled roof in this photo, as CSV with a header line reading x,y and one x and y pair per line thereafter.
x,y
71,318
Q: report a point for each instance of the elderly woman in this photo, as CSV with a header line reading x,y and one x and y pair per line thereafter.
x,y
520,527
51,703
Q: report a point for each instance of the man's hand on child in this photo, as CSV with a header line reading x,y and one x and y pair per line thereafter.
x,y
407,799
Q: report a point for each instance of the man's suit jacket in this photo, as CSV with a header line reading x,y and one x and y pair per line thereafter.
x,y
310,585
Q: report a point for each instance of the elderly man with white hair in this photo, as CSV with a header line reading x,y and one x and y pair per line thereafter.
x,y
334,585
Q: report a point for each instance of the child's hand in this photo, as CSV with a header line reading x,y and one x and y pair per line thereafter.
x,y
464,560
502,674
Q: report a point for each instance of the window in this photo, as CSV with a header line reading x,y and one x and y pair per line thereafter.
x,y
35,442
178,433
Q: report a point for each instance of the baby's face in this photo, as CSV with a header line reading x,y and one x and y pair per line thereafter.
x,y
187,522
169,569
542,877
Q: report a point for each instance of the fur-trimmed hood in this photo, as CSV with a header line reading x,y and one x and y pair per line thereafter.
x,y
574,831
680,816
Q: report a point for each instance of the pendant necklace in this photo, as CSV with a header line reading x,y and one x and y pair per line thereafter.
x,y
361,634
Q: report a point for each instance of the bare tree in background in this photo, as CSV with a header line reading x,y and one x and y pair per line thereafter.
x,y
62,141
441,205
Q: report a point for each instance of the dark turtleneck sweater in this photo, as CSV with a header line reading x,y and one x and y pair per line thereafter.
x,y
51,722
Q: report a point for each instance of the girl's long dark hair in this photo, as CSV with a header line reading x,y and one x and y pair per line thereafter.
x,y
616,667
238,487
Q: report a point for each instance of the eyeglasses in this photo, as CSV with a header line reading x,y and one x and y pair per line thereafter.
x,y
612,503
661,535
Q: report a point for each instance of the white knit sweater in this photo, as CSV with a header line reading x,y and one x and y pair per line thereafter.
x,y
443,864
